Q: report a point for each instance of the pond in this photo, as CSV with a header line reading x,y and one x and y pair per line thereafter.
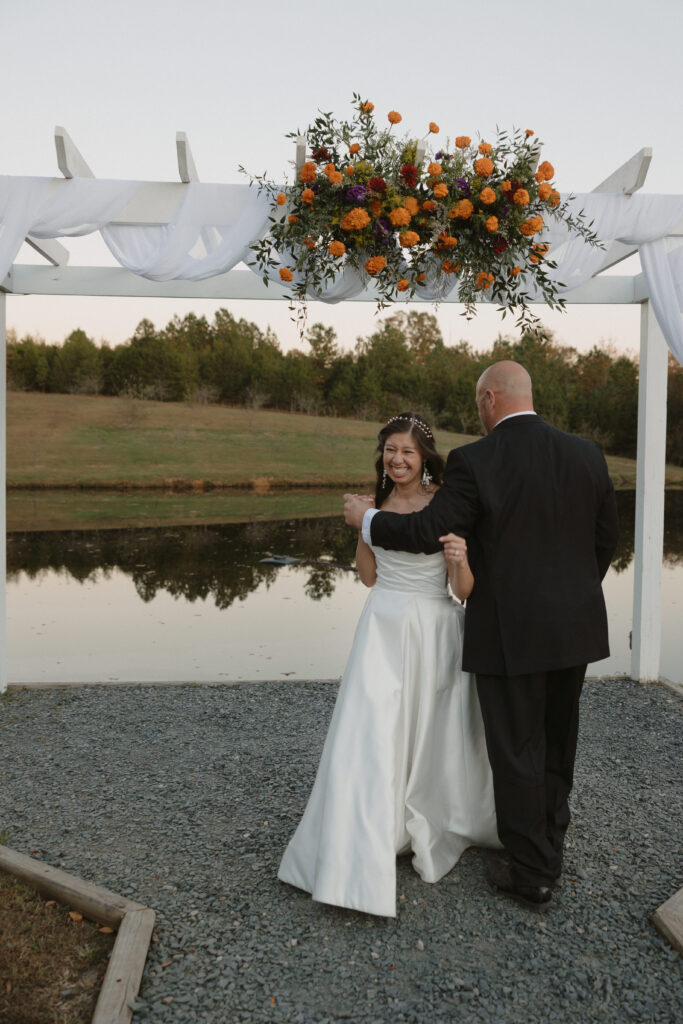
x,y
199,604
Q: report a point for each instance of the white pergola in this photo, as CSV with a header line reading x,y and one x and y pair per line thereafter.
x,y
156,203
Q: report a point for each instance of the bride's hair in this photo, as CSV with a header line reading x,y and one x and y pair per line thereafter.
x,y
417,426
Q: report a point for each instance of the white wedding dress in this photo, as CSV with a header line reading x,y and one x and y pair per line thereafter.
x,y
404,766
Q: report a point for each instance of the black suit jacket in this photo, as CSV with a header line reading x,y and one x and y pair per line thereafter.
x,y
538,510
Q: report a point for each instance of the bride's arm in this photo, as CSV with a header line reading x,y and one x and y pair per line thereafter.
x,y
365,563
459,573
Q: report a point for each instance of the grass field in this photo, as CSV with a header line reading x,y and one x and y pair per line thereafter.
x,y
78,461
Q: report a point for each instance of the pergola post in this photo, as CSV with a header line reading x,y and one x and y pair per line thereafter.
x,y
646,638
3,491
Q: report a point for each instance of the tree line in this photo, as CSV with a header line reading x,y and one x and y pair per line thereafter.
x,y
404,363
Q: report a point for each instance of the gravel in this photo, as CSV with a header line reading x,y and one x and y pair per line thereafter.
x,y
183,798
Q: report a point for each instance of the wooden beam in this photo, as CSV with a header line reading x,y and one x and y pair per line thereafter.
x,y
186,165
53,251
628,178
300,154
69,158
124,972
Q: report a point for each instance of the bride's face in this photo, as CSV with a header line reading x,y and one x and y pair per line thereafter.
x,y
402,458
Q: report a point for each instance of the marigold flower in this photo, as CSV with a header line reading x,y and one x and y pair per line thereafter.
x,y
435,168
483,166
375,265
408,239
546,170
440,190
528,132
483,280
505,186
531,227
491,224
399,217
329,169
544,190
354,148
433,127
336,249
554,198
355,220
310,244
367,107
286,274
307,196
350,170
486,148
292,219
521,197
280,199
462,210
463,141
403,284
411,204
450,267
335,178
307,172
514,271
394,117
376,207
487,196
446,241
421,277
429,205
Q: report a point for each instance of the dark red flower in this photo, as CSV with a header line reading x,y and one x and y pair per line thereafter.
x,y
409,174
378,185
321,155
515,185
499,245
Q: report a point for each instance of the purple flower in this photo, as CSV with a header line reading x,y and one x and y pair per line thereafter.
x,y
382,229
442,156
356,194
464,186
504,210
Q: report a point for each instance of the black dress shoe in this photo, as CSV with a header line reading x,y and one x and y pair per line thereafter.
x,y
500,877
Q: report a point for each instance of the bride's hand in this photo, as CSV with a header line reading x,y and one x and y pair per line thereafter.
x,y
455,549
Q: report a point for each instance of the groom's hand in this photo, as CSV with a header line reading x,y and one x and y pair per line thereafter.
x,y
355,508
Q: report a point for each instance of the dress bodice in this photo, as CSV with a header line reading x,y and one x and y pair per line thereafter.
x,y
409,572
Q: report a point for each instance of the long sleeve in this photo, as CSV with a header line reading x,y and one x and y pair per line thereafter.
x,y
606,530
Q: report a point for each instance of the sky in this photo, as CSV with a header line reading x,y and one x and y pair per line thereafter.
x,y
596,81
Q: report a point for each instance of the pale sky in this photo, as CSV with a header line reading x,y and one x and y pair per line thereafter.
x,y
596,79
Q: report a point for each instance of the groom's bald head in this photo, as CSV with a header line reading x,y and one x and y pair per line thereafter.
x,y
503,388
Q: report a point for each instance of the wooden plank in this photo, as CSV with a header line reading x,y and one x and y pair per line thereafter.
x,y
186,165
69,158
668,920
53,251
628,178
126,965
92,900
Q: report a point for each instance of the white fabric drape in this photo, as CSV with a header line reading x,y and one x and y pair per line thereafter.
x,y
214,225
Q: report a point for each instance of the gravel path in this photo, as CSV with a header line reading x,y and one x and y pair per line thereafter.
x,y
183,798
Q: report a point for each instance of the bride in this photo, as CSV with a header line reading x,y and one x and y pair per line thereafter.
x,y
404,767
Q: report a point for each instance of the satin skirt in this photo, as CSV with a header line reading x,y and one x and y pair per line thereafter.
x,y
404,765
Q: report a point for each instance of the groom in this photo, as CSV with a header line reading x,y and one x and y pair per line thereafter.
x,y
537,508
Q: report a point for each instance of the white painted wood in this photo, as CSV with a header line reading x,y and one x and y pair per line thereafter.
x,y
300,153
53,251
186,165
69,158
3,493
628,178
650,471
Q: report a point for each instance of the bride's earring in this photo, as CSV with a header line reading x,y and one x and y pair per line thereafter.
x,y
384,478
426,477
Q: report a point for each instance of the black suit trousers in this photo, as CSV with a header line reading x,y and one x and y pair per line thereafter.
x,y
531,724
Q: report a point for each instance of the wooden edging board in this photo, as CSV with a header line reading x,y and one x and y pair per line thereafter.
x,y
668,920
133,921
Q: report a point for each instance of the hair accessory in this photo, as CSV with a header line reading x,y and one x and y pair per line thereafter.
x,y
422,427
426,476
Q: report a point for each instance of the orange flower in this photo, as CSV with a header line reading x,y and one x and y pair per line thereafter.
x,y
440,190
376,207
280,199
421,277
487,196
514,271
310,244
411,204
285,274
350,170
394,117
329,169
429,205
367,107
483,166
336,248
462,210
354,148
292,219
450,267
433,127
307,196
435,168
446,241
335,178
554,197
521,197
485,148
545,190
403,284
531,226
355,220
539,251
463,141
399,217
505,186
546,171
483,280
492,224
307,172
375,265
408,239
528,132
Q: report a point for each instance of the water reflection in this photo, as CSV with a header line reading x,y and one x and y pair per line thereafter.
x,y
223,562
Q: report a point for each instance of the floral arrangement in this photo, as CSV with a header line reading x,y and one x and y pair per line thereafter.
x,y
402,217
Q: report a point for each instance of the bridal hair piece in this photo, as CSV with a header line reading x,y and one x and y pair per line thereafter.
x,y
412,422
